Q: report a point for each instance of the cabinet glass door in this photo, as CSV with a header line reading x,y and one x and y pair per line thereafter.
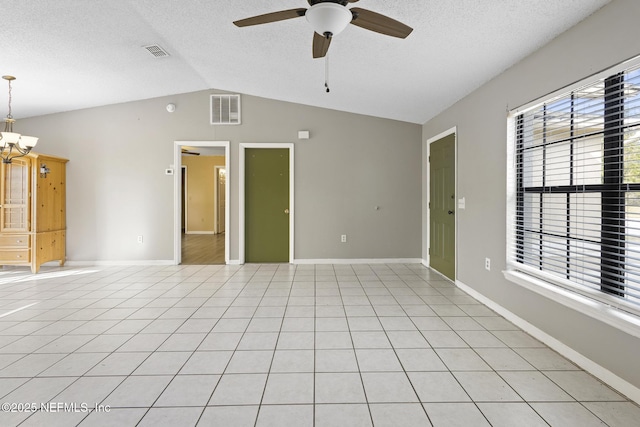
x,y
15,196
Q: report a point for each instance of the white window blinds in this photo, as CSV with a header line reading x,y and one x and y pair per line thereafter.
x,y
577,181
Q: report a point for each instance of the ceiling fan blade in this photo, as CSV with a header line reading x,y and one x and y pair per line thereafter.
x,y
379,23
352,1
271,17
320,45
192,153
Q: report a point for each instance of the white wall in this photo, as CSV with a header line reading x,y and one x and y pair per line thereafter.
x,y
606,38
117,188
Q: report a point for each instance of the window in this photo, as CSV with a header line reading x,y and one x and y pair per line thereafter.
x,y
577,190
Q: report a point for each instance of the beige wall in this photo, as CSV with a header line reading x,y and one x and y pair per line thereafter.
x,y
201,192
606,38
112,197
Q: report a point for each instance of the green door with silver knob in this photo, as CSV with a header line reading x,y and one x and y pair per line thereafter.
x,y
267,205
442,206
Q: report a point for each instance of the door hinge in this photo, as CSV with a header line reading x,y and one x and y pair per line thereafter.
x,y
429,251
429,159
429,205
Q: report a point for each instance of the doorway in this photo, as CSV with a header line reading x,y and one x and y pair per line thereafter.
x,y
442,204
201,202
266,203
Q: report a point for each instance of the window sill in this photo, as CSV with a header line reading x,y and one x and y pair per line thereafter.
x,y
617,318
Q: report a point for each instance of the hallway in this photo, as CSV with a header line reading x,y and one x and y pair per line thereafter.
x,y
202,249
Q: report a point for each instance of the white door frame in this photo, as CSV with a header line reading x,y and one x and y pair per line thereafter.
x,y
216,203
453,130
183,197
177,194
243,147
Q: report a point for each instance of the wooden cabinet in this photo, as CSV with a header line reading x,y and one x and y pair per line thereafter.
x,y
32,211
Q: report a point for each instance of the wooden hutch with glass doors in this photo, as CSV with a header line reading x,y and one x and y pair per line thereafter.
x,y
33,211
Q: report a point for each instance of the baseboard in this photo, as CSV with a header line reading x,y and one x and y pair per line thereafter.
x,y
620,384
143,262
200,232
234,262
358,261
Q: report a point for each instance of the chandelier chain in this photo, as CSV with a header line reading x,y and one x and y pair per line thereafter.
x,y
9,116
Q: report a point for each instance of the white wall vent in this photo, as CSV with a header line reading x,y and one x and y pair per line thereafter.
x,y
225,109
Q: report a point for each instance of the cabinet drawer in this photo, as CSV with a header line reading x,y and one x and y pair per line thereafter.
x,y
14,256
14,240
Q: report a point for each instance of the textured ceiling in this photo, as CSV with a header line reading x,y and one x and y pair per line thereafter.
x,y
72,54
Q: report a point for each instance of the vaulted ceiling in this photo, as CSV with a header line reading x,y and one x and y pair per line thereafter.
x,y
73,54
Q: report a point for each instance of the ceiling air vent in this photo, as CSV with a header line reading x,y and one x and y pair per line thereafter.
x,y
225,109
156,51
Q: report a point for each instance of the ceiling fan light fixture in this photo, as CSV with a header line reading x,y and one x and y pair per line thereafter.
x,y
330,18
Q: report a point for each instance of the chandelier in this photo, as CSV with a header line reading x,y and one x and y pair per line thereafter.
x,y
13,144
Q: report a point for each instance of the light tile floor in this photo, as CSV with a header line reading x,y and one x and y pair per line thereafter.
x,y
277,345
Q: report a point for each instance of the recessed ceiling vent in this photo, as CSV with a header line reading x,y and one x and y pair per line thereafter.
x,y
156,51
225,109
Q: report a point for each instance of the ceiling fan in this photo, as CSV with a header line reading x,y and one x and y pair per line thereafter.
x,y
330,17
189,152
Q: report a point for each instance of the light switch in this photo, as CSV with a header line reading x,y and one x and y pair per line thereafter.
x,y
461,203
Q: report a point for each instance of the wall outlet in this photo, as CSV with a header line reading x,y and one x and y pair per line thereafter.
x,y
140,239
343,238
487,264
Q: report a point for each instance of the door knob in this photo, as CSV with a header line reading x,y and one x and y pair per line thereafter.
x,y
450,212
286,211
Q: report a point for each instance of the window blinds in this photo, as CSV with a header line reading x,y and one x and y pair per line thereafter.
x,y
577,216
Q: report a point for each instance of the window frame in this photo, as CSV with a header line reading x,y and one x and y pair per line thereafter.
x,y
602,304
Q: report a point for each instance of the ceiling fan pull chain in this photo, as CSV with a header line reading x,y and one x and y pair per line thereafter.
x,y
326,72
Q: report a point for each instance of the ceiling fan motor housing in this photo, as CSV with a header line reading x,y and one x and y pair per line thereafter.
x,y
328,18
342,2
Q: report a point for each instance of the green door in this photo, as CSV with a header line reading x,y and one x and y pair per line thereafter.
x,y
442,203
266,205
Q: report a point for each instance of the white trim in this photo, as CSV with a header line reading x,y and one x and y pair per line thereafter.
x,y
592,294
454,131
442,135
149,262
359,261
612,316
511,187
602,74
620,384
177,190
183,197
216,202
243,147
200,232
235,262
